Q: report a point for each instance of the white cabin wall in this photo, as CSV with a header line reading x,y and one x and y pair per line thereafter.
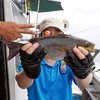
x,y
12,13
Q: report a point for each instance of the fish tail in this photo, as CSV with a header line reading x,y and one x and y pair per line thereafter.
x,y
13,48
96,51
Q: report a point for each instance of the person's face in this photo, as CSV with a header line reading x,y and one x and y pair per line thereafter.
x,y
51,31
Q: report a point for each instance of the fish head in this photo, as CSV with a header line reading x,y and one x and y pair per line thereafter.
x,y
72,41
88,45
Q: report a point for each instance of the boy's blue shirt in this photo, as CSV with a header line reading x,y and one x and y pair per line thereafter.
x,y
51,84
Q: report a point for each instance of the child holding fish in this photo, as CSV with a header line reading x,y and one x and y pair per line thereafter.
x,y
51,79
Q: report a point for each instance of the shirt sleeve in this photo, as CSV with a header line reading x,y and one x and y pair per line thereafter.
x,y
20,68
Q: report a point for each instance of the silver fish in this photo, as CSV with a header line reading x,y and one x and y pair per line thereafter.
x,y
56,46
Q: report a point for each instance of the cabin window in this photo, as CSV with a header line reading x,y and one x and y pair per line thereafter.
x,y
21,4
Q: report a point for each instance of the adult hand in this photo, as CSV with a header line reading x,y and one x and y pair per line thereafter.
x,y
80,61
31,57
12,30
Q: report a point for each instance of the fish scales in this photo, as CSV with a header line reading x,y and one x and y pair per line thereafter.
x,y
56,46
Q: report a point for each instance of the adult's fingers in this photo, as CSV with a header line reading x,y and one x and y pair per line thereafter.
x,y
26,31
17,36
26,26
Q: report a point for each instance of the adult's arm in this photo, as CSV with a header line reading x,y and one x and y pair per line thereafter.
x,y
12,30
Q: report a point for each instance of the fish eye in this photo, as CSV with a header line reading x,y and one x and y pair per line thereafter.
x,y
86,44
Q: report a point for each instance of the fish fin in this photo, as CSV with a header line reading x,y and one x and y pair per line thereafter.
x,y
13,48
62,35
34,39
95,53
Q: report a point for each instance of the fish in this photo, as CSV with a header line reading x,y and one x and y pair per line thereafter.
x,y
56,45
